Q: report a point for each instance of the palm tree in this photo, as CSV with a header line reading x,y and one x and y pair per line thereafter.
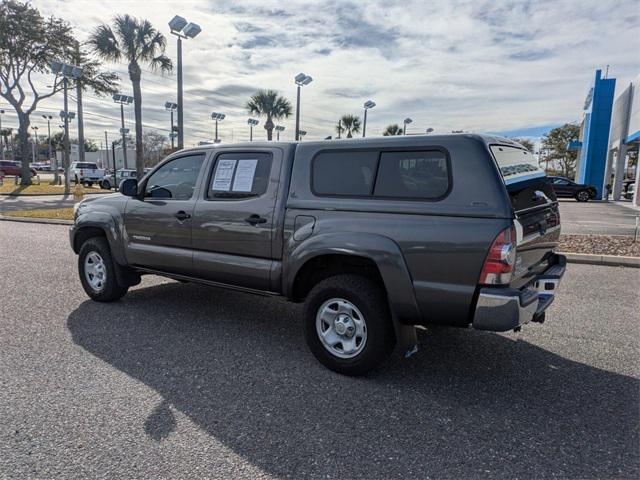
x,y
392,130
351,124
268,103
136,42
339,128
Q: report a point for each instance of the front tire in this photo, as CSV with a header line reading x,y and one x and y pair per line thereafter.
x,y
97,271
347,324
583,196
105,185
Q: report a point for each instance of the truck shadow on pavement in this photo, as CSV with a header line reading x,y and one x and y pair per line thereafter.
x,y
469,404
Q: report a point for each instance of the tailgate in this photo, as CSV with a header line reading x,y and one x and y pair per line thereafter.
x,y
537,218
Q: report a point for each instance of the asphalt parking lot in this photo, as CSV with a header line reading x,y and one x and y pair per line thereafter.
x,y
183,381
597,218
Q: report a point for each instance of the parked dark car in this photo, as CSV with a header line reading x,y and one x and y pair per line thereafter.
x,y
11,168
374,235
567,188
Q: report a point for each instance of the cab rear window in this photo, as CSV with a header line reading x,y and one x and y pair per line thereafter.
x,y
516,164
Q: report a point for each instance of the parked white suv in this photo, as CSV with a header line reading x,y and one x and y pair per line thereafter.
x,y
86,173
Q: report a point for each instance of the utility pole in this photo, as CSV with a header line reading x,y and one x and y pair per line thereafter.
x,y
106,148
65,161
124,136
1,137
80,117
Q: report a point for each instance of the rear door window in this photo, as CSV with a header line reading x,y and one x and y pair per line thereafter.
x,y
348,173
240,175
412,175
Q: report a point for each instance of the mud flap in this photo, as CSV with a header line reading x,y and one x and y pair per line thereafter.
x,y
406,338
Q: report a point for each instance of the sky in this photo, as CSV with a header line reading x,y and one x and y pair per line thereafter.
x,y
513,67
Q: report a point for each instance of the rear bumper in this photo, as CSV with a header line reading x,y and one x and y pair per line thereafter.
x,y
503,309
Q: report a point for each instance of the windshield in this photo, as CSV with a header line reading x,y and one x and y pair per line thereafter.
x,y
516,164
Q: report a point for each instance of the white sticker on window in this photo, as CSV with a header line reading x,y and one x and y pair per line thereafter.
x,y
244,175
224,174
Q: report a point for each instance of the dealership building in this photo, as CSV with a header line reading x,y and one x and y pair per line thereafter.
x,y
609,132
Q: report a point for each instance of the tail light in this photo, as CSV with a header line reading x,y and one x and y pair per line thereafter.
x,y
500,261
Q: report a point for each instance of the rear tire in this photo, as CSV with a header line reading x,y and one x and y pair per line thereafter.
x,y
352,315
97,271
583,196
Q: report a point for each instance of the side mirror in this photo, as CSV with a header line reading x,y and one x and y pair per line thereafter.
x,y
129,187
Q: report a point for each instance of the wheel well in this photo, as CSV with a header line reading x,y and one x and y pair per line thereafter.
x,y
325,266
85,234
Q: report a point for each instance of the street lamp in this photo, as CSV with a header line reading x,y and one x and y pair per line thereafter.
x,y
367,105
302,133
252,122
171,107
301,80
279,128
406,122
123,100
217,117
182,29
67,71
34,145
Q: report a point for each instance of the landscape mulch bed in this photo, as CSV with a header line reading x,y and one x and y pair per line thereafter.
x,y
599,245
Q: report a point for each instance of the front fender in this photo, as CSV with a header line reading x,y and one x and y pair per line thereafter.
x,y
111,228
383,251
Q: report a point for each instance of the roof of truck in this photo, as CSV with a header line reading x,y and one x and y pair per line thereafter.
x,y
486,138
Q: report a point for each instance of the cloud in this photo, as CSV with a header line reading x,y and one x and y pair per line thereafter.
x,y
475,65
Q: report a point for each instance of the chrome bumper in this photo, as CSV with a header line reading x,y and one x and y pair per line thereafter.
x,y
503,309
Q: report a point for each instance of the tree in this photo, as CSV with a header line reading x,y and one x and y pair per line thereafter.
x,y
351,124
526,143
154,146
136,42
556,143
339,128
270,104
392,130
28,44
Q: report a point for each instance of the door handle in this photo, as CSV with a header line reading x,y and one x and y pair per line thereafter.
x,y
182,215
255,219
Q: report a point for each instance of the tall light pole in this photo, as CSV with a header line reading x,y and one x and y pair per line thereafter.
x,y
367,105
48,118
301,80
182,29
279,128
302,133
1,137
171,107
217,117
67,71
123,100
252,122
406,122
34,144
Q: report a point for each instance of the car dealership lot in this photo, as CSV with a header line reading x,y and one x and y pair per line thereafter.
x,y
181,380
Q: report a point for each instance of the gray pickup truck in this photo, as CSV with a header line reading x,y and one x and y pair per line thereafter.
x,y
376,236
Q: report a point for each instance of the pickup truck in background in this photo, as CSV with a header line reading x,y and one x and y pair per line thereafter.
x,y
86,173
376,236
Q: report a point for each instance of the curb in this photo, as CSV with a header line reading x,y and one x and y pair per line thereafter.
x,y
46,221
50,194
609,260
